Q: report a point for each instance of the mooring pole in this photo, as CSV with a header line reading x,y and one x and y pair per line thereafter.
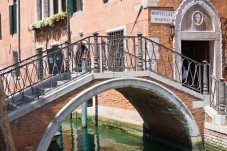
x,y
84,105
96,110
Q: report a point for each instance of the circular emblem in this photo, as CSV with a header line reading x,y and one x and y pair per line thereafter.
x,y
197,18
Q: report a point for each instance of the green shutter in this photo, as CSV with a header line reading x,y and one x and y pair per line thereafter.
x,y
14,18
11,19
69,6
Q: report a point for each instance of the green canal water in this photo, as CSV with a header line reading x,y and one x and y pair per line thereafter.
x,y
76,138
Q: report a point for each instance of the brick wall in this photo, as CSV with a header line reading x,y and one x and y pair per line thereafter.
x,y
114,99
215,141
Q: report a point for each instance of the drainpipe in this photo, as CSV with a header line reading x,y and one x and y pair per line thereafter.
x,y
18,16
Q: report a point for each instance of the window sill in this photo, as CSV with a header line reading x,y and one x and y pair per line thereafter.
x,y
78,13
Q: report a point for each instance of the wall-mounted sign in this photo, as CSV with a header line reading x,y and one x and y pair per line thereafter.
x,y
163,17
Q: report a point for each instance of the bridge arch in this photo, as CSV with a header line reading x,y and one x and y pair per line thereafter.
x,y
122,85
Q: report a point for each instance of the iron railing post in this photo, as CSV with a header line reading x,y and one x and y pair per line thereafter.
x,y
96,53
67,60
103,56
222,96
205,78
140,55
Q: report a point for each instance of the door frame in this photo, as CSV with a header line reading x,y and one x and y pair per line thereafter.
x,y
213,36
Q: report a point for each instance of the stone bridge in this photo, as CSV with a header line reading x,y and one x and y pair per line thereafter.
x,y
169,110
40,95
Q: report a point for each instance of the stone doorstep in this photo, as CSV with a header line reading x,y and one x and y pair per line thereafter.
x,y
217,119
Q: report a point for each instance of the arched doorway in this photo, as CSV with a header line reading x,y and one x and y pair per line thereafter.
x,y
197,33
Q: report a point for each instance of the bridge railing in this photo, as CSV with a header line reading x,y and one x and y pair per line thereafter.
x,y
173,65
53,67
117,54
137,53
218,95
36,75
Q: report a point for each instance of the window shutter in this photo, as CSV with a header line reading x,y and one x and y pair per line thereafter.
x,y
11,19
69,6
74,6
14,18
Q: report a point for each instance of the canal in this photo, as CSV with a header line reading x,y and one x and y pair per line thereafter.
x,y
102,138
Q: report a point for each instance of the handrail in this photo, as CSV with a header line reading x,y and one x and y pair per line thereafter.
x,y
218,95
105,53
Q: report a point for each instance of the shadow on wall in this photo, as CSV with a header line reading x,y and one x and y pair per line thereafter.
x,y
54,32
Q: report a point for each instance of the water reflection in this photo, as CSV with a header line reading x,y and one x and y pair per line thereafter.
x,y
76,138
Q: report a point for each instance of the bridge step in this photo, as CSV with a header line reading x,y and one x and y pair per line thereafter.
x,y
30,97
60,82
74,75
44,87
11,105
43,91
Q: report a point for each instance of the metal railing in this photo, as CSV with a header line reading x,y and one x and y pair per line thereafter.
x,y
173,65
218,95
40,73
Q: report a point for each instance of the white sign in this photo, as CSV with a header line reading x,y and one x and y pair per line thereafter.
x,y
163,17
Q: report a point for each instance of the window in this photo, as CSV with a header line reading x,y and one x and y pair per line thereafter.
x,y
55,60
16,62
47,8
116,50
77,5
63,3
55,6
13,18
0,27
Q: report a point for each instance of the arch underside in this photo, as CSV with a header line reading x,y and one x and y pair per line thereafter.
x,y
166,117
164,121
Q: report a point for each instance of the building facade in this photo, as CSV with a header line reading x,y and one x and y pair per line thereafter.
x,y
194,28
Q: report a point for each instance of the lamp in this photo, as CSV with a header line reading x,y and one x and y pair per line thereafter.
x,y
172,28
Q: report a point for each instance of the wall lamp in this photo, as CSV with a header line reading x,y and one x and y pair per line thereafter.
x,y
172,29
